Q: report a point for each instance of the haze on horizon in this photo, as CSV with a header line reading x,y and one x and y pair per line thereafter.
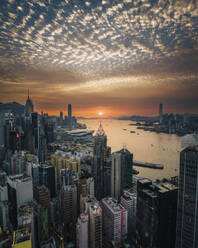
x,y
114,57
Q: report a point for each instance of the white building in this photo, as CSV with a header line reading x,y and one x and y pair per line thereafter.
x,y
82,231
23,187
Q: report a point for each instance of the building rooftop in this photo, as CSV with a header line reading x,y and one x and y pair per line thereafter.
x,y
112,204
100,131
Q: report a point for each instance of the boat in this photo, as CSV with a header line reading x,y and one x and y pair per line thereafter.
x,y
132,131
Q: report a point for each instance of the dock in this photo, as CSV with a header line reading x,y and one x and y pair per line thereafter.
x,y
148,165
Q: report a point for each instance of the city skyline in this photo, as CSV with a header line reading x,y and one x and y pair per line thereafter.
x,y
119,58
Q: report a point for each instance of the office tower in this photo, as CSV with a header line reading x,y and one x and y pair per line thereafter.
x,y
121,172
187,208
47,177
29,107
69,210
156,214
70,115
100,145
20,192
160,112
82,231
90,187
95,224
61,119
114,222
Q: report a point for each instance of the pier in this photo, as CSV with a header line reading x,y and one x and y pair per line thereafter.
x,y
148,165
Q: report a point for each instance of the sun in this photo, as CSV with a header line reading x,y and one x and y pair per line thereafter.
x,y
100,113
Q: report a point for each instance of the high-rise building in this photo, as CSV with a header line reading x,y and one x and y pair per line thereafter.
x,y
40,224
121,172
95,224
100,146
160,112
70,115
114,222
156,214
90,187
187,208
61,119
47,177
29,107
128,200
69,210
82,231
20,192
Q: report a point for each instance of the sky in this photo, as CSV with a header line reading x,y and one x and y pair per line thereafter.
x,y
109,57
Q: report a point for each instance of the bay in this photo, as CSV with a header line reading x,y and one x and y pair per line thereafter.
x,y
146,146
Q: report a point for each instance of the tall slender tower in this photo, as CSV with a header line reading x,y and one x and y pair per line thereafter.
x,y
29,107
187,207
160,112
70,115
100,147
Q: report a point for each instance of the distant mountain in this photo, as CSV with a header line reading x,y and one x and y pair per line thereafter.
x,y
139,118
14,107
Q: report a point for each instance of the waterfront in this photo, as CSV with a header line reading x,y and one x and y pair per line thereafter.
x,y
146,146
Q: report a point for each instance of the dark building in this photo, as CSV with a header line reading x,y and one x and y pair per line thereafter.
x,y
160,112
34,116
187,210
121,172
156,214
99,157
40,225
47,177
61,119
70,115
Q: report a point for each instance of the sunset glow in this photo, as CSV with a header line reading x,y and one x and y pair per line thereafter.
x,y
121,56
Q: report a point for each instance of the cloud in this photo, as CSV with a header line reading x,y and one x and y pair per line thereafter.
x,y
83,45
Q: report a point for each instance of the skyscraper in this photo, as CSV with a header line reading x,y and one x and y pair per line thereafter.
x,y
160,112
70,115
114,217
47,177
100,146
187,208
156,214
121,172
69,210
61,119
29,107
